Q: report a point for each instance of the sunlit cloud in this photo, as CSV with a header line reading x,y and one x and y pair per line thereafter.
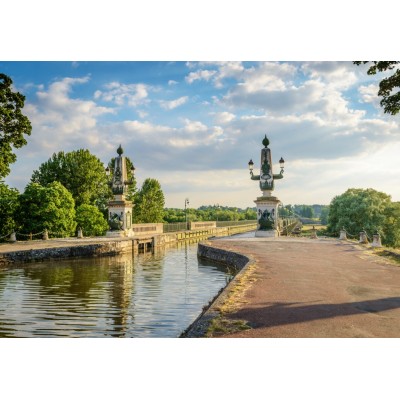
x,y
171,104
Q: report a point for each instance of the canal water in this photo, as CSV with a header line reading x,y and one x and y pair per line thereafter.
x,y
145,296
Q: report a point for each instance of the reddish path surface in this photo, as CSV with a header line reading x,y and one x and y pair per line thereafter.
x,y
317,288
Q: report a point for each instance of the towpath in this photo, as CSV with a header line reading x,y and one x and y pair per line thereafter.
x,y
315,288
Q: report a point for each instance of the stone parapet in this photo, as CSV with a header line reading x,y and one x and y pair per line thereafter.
x,y
145,229
202,225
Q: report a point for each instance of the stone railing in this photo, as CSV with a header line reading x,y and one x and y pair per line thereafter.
x,y
363,237
144,229
202,225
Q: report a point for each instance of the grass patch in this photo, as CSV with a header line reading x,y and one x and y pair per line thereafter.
x,y
390,254
222,324
307,230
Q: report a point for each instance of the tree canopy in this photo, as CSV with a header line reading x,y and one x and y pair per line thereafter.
x,y
81,173
13,124
209,213
48,207
91,220
149,203
8,207
364,209
390,101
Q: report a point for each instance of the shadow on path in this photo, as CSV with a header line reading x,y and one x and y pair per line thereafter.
x,y
276,314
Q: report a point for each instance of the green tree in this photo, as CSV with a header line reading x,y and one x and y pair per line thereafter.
x,y
250,213
50,207
174,215
91,220
149,203
306,211
324,215
13,124
81,173
285,211
390,101
8,207
391,227
358,209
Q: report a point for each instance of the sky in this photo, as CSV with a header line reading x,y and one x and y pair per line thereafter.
x,y
194,125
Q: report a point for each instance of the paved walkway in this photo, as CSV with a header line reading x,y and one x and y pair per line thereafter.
x,y
53,243
316,288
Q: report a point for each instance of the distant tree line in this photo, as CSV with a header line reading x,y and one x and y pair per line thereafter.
x,y
209,213
317,212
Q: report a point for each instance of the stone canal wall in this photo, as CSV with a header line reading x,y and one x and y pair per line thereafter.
x,y
204,250
40,250
58,251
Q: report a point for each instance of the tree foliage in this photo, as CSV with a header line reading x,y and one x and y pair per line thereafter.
x,y
8,207
391,227
324,215
210,213
81,173
50,207
149,203
91,220
387,86
365,209
13,124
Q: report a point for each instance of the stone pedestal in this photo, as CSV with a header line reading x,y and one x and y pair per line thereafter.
x,y
376,240
343,235
313,234
363,237
124,233
267,213
120,210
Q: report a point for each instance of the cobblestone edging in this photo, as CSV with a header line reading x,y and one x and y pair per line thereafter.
x,y
88,250
199,327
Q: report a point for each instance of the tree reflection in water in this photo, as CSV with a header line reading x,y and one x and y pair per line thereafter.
x,y
147,295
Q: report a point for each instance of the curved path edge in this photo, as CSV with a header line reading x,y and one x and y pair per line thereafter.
x,y
240,262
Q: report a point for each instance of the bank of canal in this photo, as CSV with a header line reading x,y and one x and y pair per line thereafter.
x,y
146,295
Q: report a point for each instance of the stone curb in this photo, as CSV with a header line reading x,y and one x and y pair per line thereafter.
x,y
85,250
200,326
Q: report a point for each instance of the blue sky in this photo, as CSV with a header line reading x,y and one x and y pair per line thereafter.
x,y
195,125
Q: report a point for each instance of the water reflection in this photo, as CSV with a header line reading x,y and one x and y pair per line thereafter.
x,y
149,295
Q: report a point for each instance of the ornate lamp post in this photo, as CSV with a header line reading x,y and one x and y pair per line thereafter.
x,y
120,209
217,209
186,204
267,205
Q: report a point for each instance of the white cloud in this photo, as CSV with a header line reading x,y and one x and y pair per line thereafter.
x,y
200,75
142,114
124,94
171,104
223,70
369,94
58,120
171,82
223,117
340,75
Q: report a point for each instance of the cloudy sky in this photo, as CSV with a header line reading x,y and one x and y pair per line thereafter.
x,y
195,125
